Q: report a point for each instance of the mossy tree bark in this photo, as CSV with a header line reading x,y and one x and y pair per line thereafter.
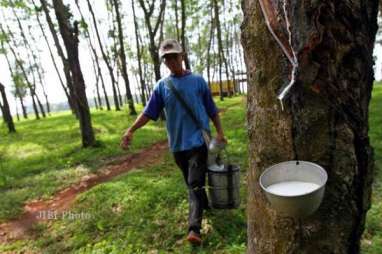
x,y
325,119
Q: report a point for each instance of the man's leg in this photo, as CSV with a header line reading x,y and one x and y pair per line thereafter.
x,y
193,164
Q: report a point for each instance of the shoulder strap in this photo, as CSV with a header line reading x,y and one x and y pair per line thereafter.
x,y
189,111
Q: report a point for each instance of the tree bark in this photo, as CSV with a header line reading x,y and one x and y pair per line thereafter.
x,y
65,62
183,35
325,118
153,46
18,93
122,58
210,41
30,56
19,63
6,111
141,80
51,56
70,37
105,58
220,47
96,65
176,20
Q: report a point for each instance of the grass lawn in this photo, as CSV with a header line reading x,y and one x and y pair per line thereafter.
x,y
144,211
46,155
372,239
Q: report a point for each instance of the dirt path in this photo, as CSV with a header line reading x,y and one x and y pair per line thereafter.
x,y
37,211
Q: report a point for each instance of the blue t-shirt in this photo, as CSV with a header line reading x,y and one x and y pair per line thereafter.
x,y
182,132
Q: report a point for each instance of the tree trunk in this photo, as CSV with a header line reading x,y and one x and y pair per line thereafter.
x,y
65,62
143,98
70,37
101,77
6,111
325,118
153,47
17,89
220,47
183,35
30,56
96,67
210,41
105,58
19,63
122,58
52,58
17,110
176,20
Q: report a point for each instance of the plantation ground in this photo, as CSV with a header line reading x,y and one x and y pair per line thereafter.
x,y
143,211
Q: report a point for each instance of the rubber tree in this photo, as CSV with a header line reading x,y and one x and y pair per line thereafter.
x,y
5,110
139,55
122,57
64,59
105,57
328,45
96,65
33,65
183,34
37,11
20,64
69,34
153,29
19,92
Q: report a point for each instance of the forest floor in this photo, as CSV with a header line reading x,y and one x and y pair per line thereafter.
x,y
91,201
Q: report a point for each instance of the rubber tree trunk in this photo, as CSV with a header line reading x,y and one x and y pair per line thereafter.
x,y
325,119
70,38
122,58
152,31
105,58
220,46
183,35
139,56
6,111
60,52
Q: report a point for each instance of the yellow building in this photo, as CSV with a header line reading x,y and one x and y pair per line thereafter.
x,y
228,87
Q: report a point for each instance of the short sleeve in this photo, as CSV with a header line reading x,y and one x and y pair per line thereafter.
x,y
154,105
208,102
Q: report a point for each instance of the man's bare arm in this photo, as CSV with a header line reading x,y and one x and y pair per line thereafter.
x,y
141,120
219,129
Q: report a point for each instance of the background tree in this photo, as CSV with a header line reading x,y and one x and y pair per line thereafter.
x,y
65,61
69,35
122,58
94,57
153,31
325,119
105,58
139,56
5,110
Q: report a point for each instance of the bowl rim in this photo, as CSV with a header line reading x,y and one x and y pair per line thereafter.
x,y
325,174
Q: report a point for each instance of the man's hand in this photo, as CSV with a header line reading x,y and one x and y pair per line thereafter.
x,y
221,139
126,139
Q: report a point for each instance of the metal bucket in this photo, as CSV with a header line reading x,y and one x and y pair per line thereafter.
x,y
224,187
301,171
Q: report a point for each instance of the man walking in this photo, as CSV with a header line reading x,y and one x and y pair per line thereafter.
x,y
184,131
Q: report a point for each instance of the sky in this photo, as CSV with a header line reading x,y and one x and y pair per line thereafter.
x,y
52,85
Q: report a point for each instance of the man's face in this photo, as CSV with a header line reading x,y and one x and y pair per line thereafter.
x,y
173,62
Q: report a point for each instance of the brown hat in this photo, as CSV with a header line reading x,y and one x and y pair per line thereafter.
x,y
169,46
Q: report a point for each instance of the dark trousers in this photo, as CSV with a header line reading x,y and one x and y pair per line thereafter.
x,y
193,164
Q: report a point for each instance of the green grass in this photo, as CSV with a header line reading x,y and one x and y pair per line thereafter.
x,y
372,239
46,155
145,211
